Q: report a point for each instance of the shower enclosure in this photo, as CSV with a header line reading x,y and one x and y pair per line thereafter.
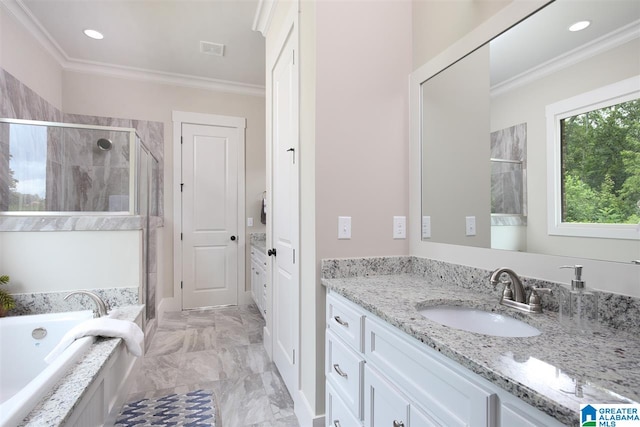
x,y
62,168
68,170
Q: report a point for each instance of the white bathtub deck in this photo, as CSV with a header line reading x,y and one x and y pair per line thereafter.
x,y
56,407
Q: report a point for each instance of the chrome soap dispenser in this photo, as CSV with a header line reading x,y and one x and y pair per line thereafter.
x,y
578,306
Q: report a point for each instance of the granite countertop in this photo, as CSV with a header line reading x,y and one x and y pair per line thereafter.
x,y
57,406
259,241
554,372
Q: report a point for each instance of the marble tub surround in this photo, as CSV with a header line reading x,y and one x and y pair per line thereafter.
x,y
57,406
554,372
53,302
259,241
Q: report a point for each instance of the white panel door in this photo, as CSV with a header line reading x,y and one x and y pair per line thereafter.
x,y
285,211
209,215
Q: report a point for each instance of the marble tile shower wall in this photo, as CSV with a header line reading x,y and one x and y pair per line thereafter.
x,y
80,176
85,164
615,311
508,192
17,101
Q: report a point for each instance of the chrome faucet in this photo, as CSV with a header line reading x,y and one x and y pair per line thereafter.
x,y
514,294
101,306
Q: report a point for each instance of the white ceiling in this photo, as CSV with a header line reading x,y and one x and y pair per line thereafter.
x,y
160,38
544,37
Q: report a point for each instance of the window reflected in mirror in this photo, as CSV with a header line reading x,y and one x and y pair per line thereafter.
x,y
601,165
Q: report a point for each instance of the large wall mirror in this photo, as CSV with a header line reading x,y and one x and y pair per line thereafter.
x,y
511,132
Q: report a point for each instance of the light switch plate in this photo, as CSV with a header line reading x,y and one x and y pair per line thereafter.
x,y
471,225
426,227
344,227
399,227
249,222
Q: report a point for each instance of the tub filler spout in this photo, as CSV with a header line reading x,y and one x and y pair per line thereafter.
x,y
101,306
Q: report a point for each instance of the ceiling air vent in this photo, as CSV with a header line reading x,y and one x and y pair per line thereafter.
x,y
210,48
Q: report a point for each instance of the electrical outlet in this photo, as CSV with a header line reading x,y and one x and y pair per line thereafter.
x,y
426,227
344,227
471,225
399,227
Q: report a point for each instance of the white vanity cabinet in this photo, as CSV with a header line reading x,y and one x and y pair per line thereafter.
x,y
259,279
378,376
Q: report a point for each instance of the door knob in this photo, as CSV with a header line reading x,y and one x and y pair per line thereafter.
x,y
233,237
271,252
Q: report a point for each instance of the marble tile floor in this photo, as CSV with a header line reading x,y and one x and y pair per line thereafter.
x,y
218,349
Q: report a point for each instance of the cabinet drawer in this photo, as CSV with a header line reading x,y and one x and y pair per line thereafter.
x,y
429,379
345,320
386,406
337,412
343,370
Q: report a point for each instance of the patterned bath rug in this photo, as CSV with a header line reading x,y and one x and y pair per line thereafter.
x,y
193,409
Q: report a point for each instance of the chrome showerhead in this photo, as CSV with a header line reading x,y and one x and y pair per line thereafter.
x,y
104,144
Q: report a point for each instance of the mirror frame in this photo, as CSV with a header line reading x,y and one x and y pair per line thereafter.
x,y
611,276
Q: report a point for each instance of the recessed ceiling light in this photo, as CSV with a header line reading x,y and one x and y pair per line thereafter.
x,y
97,35
579,26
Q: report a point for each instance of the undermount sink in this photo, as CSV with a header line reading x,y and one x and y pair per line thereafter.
x,y
479,321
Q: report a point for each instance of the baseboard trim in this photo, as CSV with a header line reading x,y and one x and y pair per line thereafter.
x,y
304,413
168,304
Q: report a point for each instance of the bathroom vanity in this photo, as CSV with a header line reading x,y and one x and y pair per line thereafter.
x,y
259,271
387,365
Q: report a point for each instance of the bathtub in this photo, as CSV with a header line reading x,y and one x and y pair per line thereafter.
x,y
25,378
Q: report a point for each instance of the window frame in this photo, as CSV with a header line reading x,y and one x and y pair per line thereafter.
x,y
606,96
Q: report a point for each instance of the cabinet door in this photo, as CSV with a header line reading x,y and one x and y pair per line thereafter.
x,y
384,405
514,412
433,381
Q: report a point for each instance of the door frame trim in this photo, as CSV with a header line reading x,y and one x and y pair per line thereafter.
x,y
240,123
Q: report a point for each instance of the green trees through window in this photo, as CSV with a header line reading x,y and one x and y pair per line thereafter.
x,y
601,165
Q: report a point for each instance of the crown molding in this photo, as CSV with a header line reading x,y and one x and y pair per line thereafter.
x,y
24,17
581,53
264,14
175,79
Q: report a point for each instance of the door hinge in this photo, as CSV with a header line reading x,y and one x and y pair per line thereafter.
x,y
181,284
180,236
294,256
294,356
293,56
181,185
181,140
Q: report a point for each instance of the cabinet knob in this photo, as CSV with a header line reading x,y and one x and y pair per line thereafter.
x,y
398,423
271,252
